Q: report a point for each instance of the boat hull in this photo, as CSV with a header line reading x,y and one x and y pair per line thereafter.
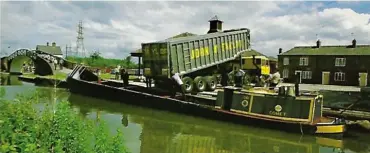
x,y
155,101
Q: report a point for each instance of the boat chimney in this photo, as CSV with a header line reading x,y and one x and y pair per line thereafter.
x,y
47,43
280,50
215,25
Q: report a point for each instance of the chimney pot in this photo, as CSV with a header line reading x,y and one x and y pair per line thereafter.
x,y
54,44
215,25
280,50
318,43
354,43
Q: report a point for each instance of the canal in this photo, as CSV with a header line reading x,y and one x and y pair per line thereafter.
x,y
152,131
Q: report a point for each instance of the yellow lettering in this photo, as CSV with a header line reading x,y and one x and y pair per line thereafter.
x,y
192,54
196,53
202,51
223,47
215,49
277,113
206,51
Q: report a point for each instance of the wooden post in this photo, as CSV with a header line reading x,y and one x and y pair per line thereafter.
x,y
139,65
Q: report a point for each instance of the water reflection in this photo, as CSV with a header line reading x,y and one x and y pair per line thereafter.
x,y
173,133
153,131
7,80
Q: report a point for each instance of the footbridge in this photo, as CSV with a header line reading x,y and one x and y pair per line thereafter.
x,y
43,62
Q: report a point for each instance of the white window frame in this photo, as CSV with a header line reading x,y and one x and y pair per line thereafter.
x,y
306,75
339,76
286,61
340,62
285,73
303,61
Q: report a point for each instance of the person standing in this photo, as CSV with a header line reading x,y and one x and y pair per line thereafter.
x,y
125,78
178,84
239,78
55,64
61,63
116,72
274,79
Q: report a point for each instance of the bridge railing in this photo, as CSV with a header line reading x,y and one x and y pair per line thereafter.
x,y
66,63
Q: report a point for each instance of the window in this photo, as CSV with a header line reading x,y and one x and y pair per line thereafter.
x,y
303,61
258,61
286,61
340,61
285,73
306,75
339,76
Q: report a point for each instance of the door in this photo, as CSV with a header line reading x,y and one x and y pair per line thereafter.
x,y
299,73
325,77
363,79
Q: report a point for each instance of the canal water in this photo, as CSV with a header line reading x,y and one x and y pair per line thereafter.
x,y
153,131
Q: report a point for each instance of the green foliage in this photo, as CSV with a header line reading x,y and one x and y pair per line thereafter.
x,y
59,129
95,60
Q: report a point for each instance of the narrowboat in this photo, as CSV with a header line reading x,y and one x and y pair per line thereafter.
x,y
267,109
282,106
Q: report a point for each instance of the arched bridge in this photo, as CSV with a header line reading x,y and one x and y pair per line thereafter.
x,y
43,62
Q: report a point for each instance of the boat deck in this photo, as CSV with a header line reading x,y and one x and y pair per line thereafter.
x,y
318,87
303,87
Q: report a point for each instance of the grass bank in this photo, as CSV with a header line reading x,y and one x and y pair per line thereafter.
x,y
52,129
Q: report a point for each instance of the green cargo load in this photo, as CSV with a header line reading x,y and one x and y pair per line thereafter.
x,y
189,54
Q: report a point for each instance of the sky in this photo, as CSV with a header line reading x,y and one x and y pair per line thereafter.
x,y
116,28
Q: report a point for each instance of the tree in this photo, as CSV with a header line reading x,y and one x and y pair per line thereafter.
x,y
128,61
95,55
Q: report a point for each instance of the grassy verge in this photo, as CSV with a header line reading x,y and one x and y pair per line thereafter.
x,y
52,129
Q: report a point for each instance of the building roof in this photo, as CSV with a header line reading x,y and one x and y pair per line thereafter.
x,y
329,50
54,50
271,58
252,52
185,34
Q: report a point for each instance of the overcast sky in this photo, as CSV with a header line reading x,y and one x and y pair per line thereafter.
x,y
117,28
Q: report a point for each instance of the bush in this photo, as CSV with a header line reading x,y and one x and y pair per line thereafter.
x,y
24,129
103,62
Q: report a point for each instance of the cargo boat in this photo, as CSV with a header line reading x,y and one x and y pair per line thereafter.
x,y
294,114
186,133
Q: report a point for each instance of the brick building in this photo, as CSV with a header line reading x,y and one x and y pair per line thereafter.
x,y
333,65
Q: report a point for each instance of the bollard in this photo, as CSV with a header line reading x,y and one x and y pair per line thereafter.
x,y
228,98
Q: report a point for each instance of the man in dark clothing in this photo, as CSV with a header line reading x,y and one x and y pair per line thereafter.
x,y
125,77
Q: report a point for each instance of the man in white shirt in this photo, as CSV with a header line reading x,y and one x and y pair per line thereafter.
x,y
179,85
274,79
55,64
